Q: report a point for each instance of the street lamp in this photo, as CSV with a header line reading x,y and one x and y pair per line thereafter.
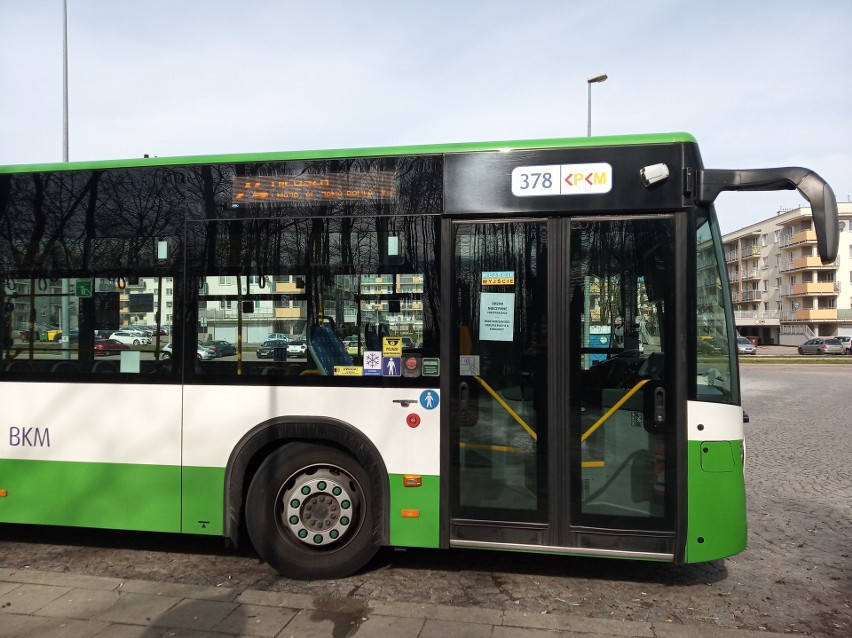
x,y
65,80
593,80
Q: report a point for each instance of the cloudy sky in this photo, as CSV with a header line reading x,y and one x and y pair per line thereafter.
x,y
759,83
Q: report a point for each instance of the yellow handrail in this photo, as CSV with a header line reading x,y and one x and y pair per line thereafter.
x,y
506,407
613,409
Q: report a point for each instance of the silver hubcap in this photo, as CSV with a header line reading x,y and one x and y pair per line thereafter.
x,y
319,509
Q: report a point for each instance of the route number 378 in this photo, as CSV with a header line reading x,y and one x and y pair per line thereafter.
x,y
535,180
532,180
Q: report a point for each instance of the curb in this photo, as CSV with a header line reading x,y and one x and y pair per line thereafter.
x,y
97,605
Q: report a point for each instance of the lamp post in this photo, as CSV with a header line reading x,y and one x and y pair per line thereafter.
x,y
65,304
593,80
64,80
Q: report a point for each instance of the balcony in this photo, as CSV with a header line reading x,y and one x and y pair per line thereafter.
x,y
747,296
817,289
821,314
750,273
751,252
806,263
290,313
757,317
285,287
731,255
798,239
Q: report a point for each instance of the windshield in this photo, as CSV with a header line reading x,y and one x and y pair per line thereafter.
x,y
716,373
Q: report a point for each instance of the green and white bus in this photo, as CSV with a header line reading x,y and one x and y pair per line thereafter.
x,y
522,345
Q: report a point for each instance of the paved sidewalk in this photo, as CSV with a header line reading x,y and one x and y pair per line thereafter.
x,y
36,603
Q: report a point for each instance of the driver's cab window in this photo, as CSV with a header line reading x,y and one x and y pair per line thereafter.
x,y
716,375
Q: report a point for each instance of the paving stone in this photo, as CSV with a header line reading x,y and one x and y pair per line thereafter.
x,y
28,599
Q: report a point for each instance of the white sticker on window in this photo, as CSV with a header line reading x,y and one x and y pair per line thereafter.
x,y
497,316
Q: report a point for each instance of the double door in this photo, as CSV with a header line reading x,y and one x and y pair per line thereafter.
x,y
562,406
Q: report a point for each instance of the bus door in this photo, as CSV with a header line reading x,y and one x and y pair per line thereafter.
x,y
561,410
621,399
498,383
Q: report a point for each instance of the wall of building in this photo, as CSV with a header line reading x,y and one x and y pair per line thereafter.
x,y
781,291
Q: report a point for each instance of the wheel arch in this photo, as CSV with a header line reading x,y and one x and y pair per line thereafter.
x,y
273,433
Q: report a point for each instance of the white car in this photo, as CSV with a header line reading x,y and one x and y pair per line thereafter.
x,y
131,337
143,330
202,353
297,348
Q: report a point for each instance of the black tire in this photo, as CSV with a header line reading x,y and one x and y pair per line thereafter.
x,y
165,356
309,513
136,342
801,351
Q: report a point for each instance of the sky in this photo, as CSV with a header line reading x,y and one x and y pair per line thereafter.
x,y
759,83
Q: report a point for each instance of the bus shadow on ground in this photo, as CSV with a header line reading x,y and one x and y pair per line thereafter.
x,y
44,547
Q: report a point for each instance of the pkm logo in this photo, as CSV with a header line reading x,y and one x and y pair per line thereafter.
x,y
586,179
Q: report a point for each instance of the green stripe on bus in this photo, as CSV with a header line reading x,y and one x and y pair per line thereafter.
x,y
387,151
203,500
422,530
105,495
716,519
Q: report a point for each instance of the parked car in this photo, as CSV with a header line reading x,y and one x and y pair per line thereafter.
x,y
107,347
297,348
821,346
202,353
154,330
267,349
221,347
745,346
278,336
130,337
846,342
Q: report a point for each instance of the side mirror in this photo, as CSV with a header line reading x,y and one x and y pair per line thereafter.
x,y
809,184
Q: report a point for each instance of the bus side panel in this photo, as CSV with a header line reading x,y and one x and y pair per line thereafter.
x,y
717,525
415,512
213,428
91,455
103,495
203,492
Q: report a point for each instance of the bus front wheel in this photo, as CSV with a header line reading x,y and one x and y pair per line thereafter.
x,y
309,514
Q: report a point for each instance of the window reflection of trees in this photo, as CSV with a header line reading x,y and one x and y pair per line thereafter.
x,y
91,221
518,248
105,223
629,263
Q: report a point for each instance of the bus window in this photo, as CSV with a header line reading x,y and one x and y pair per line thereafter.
x,y
716,374
331,291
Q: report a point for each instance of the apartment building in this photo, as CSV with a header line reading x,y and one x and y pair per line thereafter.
x,y
781,291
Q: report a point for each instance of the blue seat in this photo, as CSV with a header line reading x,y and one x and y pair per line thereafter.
x,y
327,350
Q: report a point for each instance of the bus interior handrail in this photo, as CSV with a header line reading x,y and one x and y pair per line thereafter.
x,y
517,417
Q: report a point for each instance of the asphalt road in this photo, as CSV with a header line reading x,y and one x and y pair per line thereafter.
x,y
794,576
